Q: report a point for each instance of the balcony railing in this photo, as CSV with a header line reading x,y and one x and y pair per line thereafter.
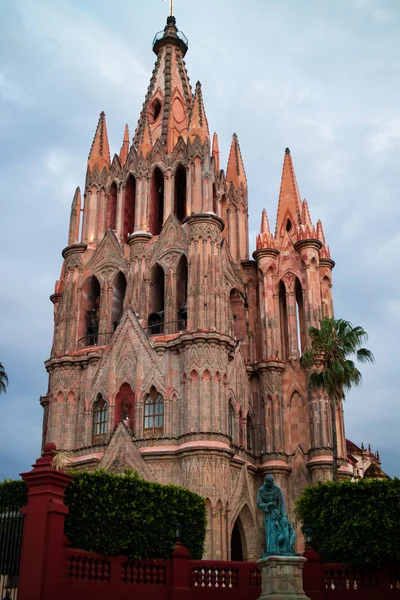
x,y
166,327
95,339
160,34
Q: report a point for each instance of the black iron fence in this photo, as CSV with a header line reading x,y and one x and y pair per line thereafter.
x,y
11,528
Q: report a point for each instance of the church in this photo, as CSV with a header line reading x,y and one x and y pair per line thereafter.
x,y
176,351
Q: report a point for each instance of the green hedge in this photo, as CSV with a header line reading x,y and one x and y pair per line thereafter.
x,y
123,514
354,523
13,493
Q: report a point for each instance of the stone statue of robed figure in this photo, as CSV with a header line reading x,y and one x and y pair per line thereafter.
x,y
279,531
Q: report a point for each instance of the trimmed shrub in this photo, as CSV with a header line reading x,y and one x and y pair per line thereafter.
x,y
123,514
354,523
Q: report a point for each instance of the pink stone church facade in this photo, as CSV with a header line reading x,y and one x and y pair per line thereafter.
x,y
175,352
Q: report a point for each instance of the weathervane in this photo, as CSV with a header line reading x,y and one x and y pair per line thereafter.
x,y
171,7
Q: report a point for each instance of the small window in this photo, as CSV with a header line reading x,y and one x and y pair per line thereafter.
x,y
154,110
288,225
100,418
153,415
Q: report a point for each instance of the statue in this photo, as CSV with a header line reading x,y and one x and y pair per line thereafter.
x,y
279,531
92,326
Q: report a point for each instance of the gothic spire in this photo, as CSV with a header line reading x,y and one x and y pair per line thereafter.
x,y
215,151
169,99
198,124
99,155
123,153
289,206
235,172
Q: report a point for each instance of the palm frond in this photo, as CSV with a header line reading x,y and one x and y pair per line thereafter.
x,y
61,460
3,379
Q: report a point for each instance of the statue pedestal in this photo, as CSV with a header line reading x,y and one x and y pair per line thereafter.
x,y
282,578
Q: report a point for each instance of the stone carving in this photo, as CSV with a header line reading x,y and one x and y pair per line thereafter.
x,y
271,382
279,531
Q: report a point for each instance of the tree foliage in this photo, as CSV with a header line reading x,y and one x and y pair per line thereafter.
x,y
13,494
330,366
123,514
353,523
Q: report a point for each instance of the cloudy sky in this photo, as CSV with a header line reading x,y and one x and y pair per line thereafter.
x,y
319,76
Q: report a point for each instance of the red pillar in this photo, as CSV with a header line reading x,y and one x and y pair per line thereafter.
x,y
41,566
313,577
180,574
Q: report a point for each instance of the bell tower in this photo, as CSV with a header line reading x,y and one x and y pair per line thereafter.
x,y
174,353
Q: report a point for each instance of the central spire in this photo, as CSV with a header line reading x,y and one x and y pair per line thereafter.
x,y
169,100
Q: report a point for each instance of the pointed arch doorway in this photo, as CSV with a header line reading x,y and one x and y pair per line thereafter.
x,y
236,542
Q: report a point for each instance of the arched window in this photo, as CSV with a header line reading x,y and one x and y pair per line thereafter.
x,y
100,419
214,206
240,428
156,307
180,193
153,414
129,206
112,206
224,216
300,318
89,314
249,432
181,292
119,289
156,214
283,320
238,315
230,421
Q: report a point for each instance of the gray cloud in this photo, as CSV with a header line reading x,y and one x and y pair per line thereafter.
x,y
320,77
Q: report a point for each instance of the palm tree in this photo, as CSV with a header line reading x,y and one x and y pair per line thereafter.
x,y
329,365
3,379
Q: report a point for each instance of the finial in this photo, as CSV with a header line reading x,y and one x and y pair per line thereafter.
x,y
287,151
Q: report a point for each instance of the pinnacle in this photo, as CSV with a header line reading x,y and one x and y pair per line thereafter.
x,y
215,151
198,124
264,238
320,232
99,155
289,206
123,153
264,222
235,172
145,144
305,215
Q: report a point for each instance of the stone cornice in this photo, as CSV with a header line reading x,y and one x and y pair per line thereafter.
x,y
326,262
139,237
265,253
74,249
269,363
308,243
205,218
